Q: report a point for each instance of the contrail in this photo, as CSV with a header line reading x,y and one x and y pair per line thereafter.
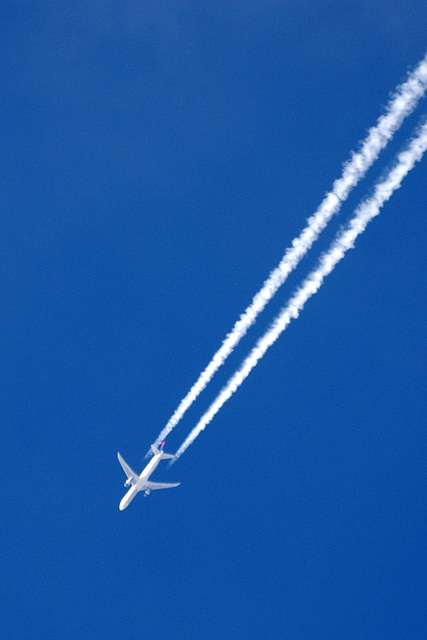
x,y
344,241
401,104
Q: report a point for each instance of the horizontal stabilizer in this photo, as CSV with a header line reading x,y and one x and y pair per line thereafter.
x,y
156,452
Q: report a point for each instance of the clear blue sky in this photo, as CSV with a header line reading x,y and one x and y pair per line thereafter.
x,y
157,159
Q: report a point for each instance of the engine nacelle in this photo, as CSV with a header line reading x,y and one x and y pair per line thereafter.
x,y
128,482
147,493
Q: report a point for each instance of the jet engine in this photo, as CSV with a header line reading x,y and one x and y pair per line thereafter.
x,y
147,493
128,481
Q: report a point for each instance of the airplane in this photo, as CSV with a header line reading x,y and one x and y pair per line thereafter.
x,y
139,483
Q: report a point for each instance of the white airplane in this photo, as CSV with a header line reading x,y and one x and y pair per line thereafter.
x,y
141,482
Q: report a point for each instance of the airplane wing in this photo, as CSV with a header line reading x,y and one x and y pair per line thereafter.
x,y
128,471
160,485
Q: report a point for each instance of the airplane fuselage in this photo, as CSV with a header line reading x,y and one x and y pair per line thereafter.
x,y
141,484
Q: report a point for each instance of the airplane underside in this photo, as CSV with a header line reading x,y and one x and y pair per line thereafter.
x,y
139,483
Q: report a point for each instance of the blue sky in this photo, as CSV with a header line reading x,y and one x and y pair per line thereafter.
x,y
158,158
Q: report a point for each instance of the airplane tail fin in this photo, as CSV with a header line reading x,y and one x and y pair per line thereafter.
x,y
156,451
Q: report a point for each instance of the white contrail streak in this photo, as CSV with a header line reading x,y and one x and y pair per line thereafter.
x,y
401,104
344,241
